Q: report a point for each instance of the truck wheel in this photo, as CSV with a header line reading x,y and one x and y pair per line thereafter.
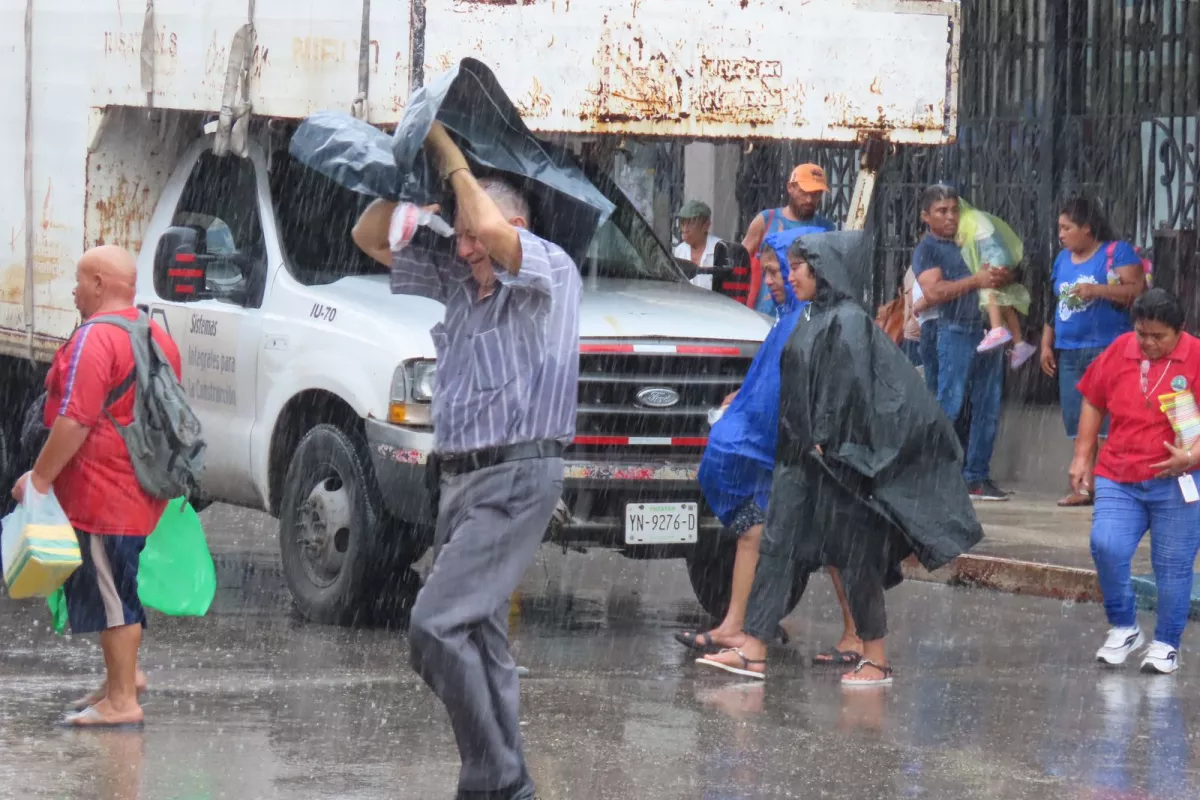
x,y
331,524
710,570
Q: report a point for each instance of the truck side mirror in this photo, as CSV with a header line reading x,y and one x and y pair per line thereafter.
x,y
178,268
731,270
690,270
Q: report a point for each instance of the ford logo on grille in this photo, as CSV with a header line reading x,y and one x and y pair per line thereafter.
x,y
657,397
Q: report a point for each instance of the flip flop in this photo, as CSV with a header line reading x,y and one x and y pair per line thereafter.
x,y
886,680
90,718
84,703
745,671
840,658
692,642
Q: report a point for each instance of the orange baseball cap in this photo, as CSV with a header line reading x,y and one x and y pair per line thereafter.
x,y
810,178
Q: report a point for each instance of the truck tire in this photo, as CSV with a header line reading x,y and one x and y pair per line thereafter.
x,y
710,570
333,531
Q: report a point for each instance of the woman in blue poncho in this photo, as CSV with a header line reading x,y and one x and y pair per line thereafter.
x,y
735,473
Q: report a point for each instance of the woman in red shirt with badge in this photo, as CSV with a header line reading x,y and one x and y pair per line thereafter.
x,y
1144,476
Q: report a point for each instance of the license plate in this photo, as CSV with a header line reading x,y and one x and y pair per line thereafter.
x,y
661,523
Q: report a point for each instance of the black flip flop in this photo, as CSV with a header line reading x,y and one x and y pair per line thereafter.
x,y
744,671
692,642
837,658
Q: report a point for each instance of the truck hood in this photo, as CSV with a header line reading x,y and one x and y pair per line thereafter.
x,y
633,309
611,308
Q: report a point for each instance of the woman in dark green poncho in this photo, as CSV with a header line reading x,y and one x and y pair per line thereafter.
x,y
868,470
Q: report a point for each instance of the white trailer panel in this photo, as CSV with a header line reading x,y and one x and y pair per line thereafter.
x,y
305,56
823,70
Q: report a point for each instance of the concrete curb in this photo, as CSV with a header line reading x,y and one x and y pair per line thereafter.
x,y
1013,577
1037,580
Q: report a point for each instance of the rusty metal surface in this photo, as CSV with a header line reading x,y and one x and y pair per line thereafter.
x,y
127,169
306,55
832,70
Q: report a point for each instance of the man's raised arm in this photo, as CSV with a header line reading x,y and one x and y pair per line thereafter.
x,y
478,214
370,233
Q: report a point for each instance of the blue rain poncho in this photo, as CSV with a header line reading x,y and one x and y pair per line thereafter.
x,y
740,455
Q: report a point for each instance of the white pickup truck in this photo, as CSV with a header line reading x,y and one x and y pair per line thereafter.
x,y
313,382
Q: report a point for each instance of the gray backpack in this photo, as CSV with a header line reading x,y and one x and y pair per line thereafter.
x,y
164,438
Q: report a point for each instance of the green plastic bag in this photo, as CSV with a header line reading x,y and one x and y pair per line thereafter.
x,y
175,575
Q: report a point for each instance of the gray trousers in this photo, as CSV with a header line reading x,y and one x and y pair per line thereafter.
x,y
490,524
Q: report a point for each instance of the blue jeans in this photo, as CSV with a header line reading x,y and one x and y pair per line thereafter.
x,y
963,372
929,355
1123,513
1071,366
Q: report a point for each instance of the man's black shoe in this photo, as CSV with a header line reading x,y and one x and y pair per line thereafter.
x,y
986,491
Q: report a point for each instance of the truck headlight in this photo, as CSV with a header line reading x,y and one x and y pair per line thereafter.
x,y
411,394
424,375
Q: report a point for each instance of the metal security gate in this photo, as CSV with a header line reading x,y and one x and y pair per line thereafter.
x,y
1056,97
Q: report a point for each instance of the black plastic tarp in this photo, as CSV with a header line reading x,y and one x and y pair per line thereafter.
x,y
468,100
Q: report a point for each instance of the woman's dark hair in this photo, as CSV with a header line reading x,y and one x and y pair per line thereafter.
x,y
797,250
1090,212
936,194
1159,305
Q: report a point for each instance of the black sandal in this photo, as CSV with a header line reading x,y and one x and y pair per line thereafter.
x,y
745,671
835,657
886,680
692,642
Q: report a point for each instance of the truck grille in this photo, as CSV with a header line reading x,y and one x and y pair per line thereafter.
x,y
619,411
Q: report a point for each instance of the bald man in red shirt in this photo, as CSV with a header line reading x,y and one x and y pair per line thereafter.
x,y
86,462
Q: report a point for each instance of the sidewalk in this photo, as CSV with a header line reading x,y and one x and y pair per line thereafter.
x,y
1031,546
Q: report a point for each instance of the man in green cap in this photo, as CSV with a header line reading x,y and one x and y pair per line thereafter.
x,y
695,218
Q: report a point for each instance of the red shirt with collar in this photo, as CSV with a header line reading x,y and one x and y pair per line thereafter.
x,y
1137,429
98,489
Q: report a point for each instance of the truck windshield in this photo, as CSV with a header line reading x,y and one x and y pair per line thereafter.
x,y
625,246
314,216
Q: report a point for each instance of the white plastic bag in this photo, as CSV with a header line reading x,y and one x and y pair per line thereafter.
x,y
38,546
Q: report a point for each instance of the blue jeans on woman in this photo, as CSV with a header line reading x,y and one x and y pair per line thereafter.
x,y
1123,513
1071,366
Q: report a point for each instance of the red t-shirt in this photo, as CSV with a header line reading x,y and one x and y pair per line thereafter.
x,y
98,489
1138,426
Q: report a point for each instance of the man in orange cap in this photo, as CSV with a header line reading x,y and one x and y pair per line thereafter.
x,y
806,188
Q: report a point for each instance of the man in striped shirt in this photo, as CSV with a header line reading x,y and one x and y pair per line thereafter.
x,y
503,410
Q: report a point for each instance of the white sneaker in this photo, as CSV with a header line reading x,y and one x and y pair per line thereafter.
x,y
1022,353
1119,644
1160,658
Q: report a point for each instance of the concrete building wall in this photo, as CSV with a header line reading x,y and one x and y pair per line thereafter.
x,y
710,174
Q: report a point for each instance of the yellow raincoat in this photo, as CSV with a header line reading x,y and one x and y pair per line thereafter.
x,y
986,239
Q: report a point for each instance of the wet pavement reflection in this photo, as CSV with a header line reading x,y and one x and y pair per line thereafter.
x,y
996,697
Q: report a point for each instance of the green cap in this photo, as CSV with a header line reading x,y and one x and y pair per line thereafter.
x,y
694,209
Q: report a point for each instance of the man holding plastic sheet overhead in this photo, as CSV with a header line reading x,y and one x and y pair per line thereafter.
x,y
504,410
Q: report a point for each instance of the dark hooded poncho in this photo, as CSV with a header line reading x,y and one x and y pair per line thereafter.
x,y
888,481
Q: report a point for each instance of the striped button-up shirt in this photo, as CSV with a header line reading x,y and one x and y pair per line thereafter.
x,y
508,365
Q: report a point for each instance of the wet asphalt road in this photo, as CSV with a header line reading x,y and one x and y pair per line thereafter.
x,y
996,697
